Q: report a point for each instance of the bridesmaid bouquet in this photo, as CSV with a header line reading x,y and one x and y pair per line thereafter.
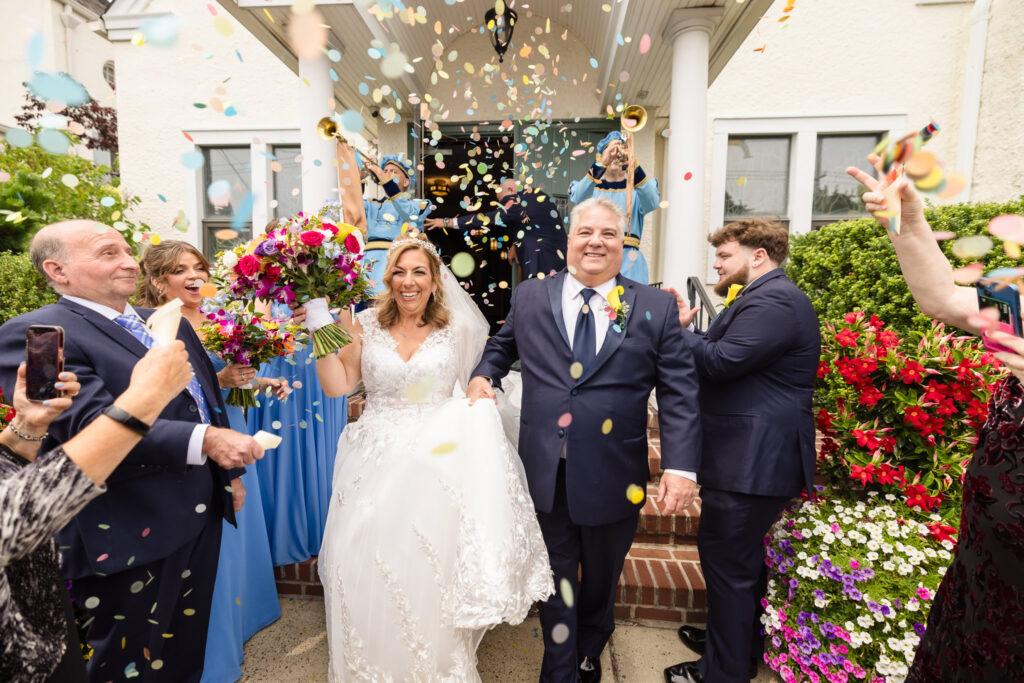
x,y
238,335
305,259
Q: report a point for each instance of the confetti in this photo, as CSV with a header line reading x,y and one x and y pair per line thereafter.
x,y
70,180
137,587
444,448
267,440
307,33
463,264
606,426
208,290
969,274
565,420
559,634
201,508
635,494
1008,226
645,44
972,246
193,159
565,590
92,602
576,370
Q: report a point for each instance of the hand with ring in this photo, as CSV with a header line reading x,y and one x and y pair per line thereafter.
x,y
235,375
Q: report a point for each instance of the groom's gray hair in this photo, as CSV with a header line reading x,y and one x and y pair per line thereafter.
x,y
594,203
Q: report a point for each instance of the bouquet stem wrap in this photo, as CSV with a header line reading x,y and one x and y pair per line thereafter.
x,y
243,396
327,336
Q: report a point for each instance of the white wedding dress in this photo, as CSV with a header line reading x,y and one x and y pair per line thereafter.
x,y
431,536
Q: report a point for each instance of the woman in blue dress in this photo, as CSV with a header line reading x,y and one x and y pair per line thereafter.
x,y
607,178
245,595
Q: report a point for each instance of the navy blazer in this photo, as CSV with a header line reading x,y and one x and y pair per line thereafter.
x,y
758,363
648,354
534,223
153,488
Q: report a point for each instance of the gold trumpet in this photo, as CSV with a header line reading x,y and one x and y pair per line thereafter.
x,y
327,129
634,118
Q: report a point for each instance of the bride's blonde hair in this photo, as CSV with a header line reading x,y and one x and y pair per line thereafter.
x,y
436,313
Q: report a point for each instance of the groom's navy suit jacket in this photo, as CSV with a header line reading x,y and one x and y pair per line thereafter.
x,y
153,488
648,354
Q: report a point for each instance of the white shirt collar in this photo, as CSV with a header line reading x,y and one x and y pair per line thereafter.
x,y
104,310
573,287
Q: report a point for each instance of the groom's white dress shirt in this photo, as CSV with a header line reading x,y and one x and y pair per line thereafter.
x,y
572,302
195,455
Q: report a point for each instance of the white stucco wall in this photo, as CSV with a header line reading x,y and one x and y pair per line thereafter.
x,y
79,52
998,160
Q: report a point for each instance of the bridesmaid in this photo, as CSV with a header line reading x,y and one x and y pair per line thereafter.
x,y
245,595
295,478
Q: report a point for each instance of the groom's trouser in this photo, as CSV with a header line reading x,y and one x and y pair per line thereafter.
x,y
590,558
732,526
153,619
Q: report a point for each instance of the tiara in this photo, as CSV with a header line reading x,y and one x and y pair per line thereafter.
x,y
426,245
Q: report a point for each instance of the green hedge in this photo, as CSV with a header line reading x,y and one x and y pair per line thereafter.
x,y
851,265
22,288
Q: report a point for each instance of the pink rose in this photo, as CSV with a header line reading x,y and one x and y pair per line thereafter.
x,y
312,238
352,243
249,265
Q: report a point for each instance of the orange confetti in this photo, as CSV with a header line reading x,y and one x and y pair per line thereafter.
x,y
208,290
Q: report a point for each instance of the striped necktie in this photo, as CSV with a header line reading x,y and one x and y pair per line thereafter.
x,y
133,323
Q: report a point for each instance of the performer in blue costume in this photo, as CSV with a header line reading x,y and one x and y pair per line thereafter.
x,y
386,216
607,178
244,595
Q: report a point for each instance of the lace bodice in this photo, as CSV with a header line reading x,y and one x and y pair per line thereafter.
x,y
425,380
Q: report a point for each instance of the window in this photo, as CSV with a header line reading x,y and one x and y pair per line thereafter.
x,y
836,194
226,189
757,177
286,173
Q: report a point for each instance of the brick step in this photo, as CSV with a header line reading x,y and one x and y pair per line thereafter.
x,y
655,527
663,584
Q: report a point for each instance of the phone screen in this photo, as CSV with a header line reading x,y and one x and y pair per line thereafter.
x,y
43,362
1005,313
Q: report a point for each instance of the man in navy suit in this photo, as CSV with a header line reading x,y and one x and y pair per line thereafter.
x,y
530,220
587,377
142,557
757,365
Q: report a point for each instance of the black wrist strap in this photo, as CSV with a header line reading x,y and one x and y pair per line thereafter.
x,y
127,419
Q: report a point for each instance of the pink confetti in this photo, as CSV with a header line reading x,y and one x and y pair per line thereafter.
x,y
212,8
145,532
102,557
687,176
565,420
645,44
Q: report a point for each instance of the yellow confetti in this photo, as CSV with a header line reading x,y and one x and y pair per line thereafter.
x,y
155,239
635,494
525,51
189,612
606,426
223,26
742,180
1012,249
444,448
565,589
576,370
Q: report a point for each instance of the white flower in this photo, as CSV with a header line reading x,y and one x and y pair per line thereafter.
x,y
848,626
864,621
229,259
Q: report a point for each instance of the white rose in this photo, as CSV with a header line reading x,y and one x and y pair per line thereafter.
x,y
229,259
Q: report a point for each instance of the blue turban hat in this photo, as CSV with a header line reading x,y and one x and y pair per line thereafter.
x,y
608,139
396,159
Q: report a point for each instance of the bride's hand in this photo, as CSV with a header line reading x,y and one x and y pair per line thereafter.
x,y
480,387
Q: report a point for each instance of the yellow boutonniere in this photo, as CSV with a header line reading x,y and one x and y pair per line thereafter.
x,y
617,309
731,295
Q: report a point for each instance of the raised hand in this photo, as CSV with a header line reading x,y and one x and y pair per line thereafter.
x,y
886,200
433,223
686,314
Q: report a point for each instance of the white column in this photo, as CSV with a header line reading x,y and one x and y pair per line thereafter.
x,y
319,174
683,237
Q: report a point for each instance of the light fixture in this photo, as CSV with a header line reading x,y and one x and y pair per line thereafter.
x,y
500,26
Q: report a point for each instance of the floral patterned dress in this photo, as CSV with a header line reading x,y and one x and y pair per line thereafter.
x,y
976,627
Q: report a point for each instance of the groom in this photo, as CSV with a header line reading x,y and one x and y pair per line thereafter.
x,y
587,375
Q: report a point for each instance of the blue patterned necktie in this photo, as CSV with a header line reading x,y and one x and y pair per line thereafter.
x,y
584,341
137,328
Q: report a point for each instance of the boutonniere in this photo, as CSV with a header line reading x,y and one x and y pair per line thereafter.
x,y
734,291
617,309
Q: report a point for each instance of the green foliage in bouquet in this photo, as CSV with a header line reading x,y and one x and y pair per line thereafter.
x,y
851,265
900,416
849,589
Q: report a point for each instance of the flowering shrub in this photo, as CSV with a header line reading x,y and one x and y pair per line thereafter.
x,y
901,416
849,589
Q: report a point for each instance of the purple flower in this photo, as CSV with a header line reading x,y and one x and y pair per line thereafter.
x,y
919,628
873,606
265,248
855,594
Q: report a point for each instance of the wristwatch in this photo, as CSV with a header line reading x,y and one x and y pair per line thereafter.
x,y
127,419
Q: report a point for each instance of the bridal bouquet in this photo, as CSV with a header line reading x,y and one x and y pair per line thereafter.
x,y
240,336
305,259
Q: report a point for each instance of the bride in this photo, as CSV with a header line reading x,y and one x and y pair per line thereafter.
x,y
431,537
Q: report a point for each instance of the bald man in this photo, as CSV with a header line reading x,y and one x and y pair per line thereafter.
x,y
142,557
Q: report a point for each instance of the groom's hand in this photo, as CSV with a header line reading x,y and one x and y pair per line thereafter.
x,y
480,387
677,493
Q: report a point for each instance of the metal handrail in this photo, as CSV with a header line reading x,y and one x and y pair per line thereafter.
x,y
695,290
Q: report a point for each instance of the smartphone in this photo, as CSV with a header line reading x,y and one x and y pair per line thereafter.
x,y
44,361
1005,298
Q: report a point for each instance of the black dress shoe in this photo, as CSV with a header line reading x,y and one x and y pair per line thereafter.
x,y
693,638
684,672
590,670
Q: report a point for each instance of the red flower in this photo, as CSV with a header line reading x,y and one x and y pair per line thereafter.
x,y
870,396
853,317
876,322
847,337
248,265
912,372
886,474
887,339
941,532
272,273
352,243
864,474
823,420
312,238
935,391
917,496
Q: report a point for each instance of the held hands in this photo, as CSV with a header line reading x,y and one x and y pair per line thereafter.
x,y
677,492
235,375
33,418
231,449
480,387
686,314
